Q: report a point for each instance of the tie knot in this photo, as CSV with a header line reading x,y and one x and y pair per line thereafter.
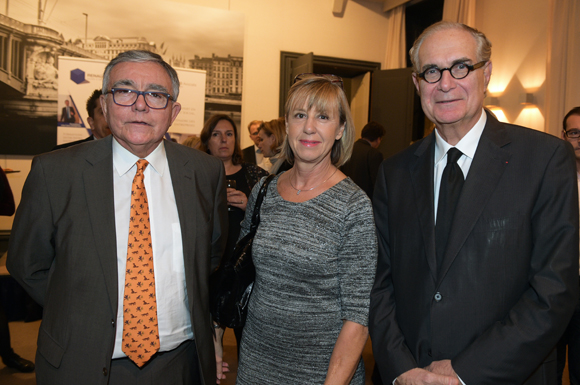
x,y
142,164
453,155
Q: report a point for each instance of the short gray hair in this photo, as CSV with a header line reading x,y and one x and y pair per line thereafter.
x,y
140,56
483,44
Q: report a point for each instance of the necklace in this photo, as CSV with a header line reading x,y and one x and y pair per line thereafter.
x,y
310,189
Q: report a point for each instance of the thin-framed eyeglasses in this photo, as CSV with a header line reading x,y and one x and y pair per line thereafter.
x,y
333,78
126,97
458,71
572,134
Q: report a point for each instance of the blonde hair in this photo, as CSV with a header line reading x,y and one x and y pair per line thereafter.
x,y
323,95
192,141
277,128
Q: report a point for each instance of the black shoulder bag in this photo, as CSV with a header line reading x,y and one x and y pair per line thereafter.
x,y
230,285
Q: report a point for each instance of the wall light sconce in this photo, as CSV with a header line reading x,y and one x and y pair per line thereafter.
x,y
491,102
528,99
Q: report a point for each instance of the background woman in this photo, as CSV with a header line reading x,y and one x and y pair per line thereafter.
x,y
272,135
315,253
219,137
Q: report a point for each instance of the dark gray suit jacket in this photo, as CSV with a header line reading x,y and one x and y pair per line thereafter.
x,y
509,281
363,166
249,154
63,252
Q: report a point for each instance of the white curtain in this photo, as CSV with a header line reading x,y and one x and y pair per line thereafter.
x,y
461,11
396,57
563,74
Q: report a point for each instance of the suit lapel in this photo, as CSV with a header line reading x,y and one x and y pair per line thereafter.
x,y
422,178
98,183
184,187
488,165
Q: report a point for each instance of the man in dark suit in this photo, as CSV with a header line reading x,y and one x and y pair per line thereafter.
x,y
484,294
253,154
363,165
75,249
68,114
96,120
571,338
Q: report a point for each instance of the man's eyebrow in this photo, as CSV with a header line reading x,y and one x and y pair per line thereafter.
x,y
460,60
131,83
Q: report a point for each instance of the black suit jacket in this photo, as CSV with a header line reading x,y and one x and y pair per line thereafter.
x,y
249,154
69,144
363,165
508,283
63,252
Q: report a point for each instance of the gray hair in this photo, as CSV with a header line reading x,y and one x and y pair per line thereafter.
x,y
140,56
483,44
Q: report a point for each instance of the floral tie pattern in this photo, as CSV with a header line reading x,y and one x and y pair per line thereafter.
x,y
140,331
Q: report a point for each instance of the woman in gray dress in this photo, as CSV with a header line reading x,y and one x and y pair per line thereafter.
x,y
315,252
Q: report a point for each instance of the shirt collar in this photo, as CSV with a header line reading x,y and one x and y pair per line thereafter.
x,y
124,160
467,145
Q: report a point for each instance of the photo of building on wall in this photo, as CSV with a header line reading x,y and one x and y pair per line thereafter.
x,y
33,34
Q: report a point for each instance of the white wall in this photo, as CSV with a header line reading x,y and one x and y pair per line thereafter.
x,y
517,30
298,26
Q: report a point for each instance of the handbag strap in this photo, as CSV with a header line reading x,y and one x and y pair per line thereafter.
x,y
259,199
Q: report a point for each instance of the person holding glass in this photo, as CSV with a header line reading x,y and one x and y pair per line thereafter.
x,y
219,137
314,251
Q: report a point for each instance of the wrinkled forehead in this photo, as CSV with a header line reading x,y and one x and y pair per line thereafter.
x,y
445,47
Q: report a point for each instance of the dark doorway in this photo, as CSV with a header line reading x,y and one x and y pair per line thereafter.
x,y
292,64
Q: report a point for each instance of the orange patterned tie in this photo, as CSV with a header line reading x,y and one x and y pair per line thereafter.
x,y
140,332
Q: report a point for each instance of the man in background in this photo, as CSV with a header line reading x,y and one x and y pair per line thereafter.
x,y
9,357
96,120
68,114
116,239
571,337
363,165
478,234
253,154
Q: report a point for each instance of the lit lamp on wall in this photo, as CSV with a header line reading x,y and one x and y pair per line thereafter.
x,y
531,116
492,104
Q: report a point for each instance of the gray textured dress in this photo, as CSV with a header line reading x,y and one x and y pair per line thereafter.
x,y
315,265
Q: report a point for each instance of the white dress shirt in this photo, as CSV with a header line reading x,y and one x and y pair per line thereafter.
x,y
261,160
467,145
173,317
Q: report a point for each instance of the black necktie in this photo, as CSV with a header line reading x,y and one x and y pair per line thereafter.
x,y
449,191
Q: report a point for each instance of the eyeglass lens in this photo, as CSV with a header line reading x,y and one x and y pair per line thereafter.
x,y
573,134
126,97
457,70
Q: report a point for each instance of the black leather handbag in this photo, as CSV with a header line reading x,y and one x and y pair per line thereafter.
x,y
230,285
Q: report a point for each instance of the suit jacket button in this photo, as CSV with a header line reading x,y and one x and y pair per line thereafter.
x,y
438,297
429,353
105,372
113,322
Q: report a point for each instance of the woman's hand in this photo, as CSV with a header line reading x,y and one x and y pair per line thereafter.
x,y
347,353
222,367
238,199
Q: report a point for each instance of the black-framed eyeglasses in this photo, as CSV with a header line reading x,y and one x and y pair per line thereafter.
x,y
457,70
331,77
126,97
572,134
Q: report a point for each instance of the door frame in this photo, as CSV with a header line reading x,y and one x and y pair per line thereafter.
x,y
342,67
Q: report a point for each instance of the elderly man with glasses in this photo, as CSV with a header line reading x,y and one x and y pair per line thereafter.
x,y
116,239
478,234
